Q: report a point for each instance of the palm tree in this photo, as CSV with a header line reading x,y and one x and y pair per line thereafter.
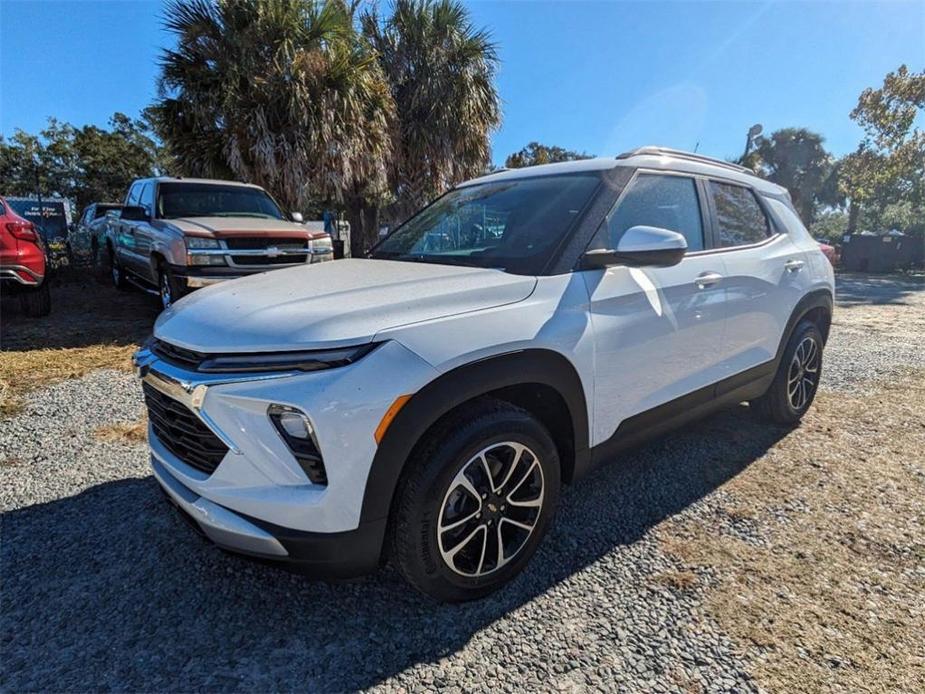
x,y
796,159
282,93
441,71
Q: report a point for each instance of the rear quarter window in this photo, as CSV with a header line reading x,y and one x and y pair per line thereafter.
x,y
740,221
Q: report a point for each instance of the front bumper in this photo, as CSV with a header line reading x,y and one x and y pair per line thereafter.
x,y
258,500
195,276
322,555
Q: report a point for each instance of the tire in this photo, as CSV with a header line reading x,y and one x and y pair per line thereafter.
x,y
168,289
36,303
116,271
463,563
787,399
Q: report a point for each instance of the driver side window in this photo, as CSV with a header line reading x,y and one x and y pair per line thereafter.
x,y
667,202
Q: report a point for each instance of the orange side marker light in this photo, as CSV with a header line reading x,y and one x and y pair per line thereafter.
x,y
389,415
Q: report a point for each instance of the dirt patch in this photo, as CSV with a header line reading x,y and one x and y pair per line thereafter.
x,y
124,432
91,326
831,598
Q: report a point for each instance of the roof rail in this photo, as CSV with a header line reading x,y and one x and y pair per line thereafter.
x,y
689,156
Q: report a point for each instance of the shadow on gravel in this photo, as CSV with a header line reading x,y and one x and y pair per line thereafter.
x,y
110,590
875,290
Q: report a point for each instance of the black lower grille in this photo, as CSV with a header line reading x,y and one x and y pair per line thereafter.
x,y
182,432
178,356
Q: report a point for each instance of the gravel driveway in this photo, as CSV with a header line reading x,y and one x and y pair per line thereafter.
x,y
103,587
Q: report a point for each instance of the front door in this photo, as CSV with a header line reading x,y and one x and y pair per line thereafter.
x,y
657,331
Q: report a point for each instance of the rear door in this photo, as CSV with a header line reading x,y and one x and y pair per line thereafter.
x,y
127,238
764,272
657,331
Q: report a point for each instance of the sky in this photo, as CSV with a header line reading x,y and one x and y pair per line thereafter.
x,y
598,77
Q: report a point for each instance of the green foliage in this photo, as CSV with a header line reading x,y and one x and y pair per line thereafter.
x,y
888,168
441,73
830,226
85,165
536,153
281,93
796,159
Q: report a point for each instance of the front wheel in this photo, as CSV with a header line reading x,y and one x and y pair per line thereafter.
x,y
481,493
794,386
169,290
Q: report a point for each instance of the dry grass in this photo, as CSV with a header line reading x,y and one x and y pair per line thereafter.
x,y
21,372
121,432
678,579
835,597
91,326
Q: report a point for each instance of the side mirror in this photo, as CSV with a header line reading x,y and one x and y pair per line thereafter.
x,y
640,246
134,213
296,217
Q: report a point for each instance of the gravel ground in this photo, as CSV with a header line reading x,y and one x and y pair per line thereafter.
x,y
104,588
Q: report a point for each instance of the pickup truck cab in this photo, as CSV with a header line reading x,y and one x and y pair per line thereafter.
x,y
178,234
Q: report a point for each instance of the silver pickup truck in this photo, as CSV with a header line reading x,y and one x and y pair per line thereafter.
x,y
178,234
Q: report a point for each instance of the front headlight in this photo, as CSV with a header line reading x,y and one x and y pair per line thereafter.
x,y
286,361
198,243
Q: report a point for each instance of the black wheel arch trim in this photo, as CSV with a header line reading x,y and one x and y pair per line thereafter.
x,y
816,299
462,384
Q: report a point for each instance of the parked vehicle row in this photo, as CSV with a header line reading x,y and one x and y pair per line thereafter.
x,y
426,404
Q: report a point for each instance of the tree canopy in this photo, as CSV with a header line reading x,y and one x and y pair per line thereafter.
x,y
281,93
87,164
796,159
888,168
441,72
536,153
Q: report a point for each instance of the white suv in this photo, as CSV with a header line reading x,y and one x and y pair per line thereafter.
x,y
424,405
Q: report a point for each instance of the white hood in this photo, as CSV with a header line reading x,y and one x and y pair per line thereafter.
x,y
339,303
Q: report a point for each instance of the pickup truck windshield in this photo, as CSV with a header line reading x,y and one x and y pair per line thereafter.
x,y
513,225
175,200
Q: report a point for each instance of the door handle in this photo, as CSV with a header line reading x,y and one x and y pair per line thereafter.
x,y
793,265
707,279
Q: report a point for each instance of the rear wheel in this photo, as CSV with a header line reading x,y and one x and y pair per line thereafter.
x,y
797,379
481,492
36,302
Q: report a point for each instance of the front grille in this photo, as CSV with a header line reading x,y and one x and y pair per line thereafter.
x,y
253,243
178,356
182,432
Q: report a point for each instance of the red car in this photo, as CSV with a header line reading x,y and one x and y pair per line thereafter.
x,y
22,262
829,252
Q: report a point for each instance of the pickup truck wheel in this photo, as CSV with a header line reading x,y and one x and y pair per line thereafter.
x,y
168,288
479,496
797,378
36,303
116,272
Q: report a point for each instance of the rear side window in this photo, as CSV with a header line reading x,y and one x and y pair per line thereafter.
x,y
740,221
667,202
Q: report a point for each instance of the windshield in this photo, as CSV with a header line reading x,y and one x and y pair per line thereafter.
x,y
513,225
208,200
